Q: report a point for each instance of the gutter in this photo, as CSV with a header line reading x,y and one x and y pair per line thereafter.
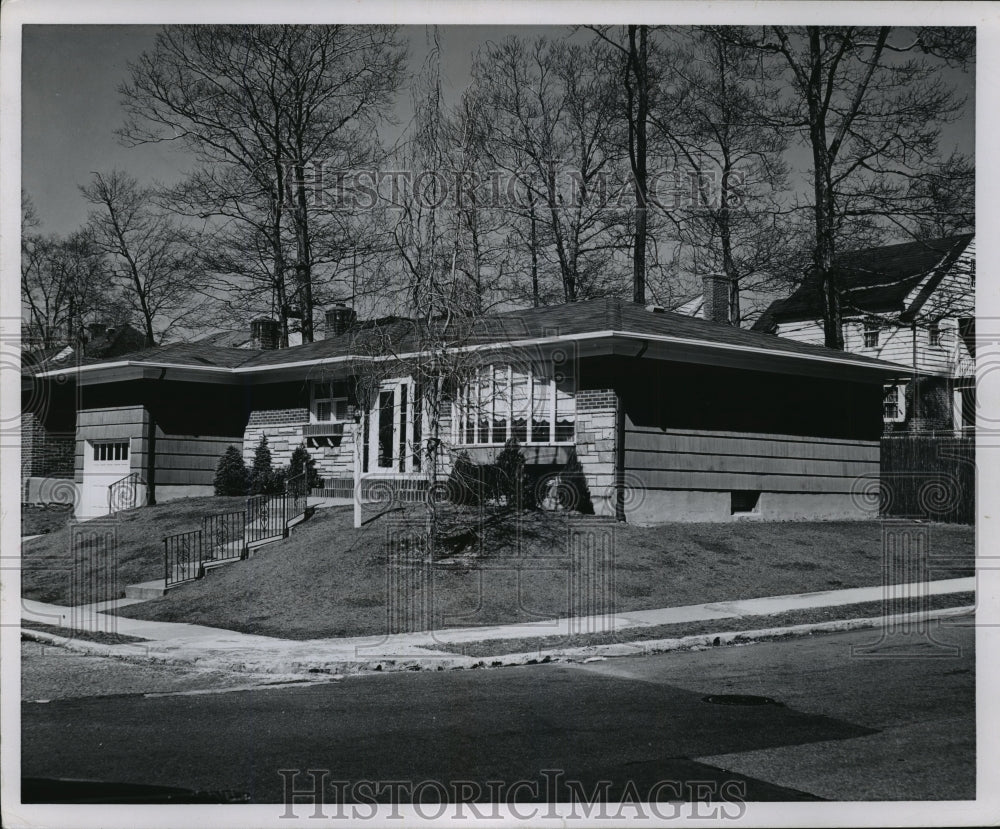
x,y
879,365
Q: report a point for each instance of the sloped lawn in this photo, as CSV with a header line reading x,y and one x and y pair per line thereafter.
x,y
59,567
331,580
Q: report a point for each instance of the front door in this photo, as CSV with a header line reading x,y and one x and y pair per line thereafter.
x,y
104,462
390,428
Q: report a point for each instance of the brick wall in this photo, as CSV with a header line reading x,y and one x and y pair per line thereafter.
x,y
596,400
44,454
596,435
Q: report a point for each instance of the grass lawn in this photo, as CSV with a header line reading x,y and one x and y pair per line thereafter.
x,y
38,520
332,580
861,610
53,568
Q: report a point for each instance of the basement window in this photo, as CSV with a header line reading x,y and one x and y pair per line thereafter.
x,y
744,501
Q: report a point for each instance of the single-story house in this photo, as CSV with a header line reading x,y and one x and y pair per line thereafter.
x,y
669,417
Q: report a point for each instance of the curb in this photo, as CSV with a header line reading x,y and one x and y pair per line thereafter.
x,y
335,668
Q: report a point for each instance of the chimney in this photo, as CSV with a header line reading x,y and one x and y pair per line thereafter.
x,y
96,329
264,334
339,319
716,304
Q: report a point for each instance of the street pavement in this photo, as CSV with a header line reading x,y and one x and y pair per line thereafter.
x,y
897,723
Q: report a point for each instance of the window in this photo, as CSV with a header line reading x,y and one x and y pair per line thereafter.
x,y
893,404
116,451
499,403
329,402
742,502
934,333
871,334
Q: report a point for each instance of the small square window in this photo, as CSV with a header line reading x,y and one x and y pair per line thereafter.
x,y
934,333
744,501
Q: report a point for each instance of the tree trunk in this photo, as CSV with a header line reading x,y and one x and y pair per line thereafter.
x,y
823,256
638,97
303,269
534,257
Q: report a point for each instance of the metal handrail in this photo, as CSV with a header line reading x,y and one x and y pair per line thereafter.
x,y
183,557
127,484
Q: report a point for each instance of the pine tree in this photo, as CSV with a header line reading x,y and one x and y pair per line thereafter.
x,y
262,473
231,473
301,462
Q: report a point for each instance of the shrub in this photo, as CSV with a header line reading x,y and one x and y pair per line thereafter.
x,y
264,479
512,479
231,473
570,491
301,462
464,483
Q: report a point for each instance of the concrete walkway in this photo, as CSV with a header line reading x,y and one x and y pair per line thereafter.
x,y
231,650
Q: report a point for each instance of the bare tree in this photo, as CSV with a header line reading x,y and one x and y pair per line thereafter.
x,y
280,105
869,104
728,191
62,283
549,112
148,253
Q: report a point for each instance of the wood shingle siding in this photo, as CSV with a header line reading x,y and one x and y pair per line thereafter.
x,y
726,461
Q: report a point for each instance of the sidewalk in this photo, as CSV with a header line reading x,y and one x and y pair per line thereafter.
x,y
216,648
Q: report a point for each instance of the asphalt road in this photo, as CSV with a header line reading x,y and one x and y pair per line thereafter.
x,y
897,726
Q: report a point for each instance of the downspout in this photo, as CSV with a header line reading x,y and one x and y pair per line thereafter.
x,y
916,394
151,450
620,447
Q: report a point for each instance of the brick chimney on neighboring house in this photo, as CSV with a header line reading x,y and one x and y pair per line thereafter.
x,y
264,334
339,320
716,303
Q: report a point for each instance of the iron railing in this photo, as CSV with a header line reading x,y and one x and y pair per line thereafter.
x,y
296,495
182,556
265,518
124,494
228,535
224,535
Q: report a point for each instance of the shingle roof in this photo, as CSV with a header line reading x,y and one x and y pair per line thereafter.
x,y
404,335
876,281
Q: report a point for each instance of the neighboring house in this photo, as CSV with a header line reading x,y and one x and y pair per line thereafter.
x,y
711,303
668,417
48,428
911,304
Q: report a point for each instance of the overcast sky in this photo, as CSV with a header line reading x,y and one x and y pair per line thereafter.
x,y
70,106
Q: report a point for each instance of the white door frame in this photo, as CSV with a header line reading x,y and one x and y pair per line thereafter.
x,y
394,387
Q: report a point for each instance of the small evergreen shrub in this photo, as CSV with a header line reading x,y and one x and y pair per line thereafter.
x,y
512,479
264,479
231,473
301,462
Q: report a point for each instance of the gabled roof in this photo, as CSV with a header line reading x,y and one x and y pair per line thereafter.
x,y
875,280
121,340
606,319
